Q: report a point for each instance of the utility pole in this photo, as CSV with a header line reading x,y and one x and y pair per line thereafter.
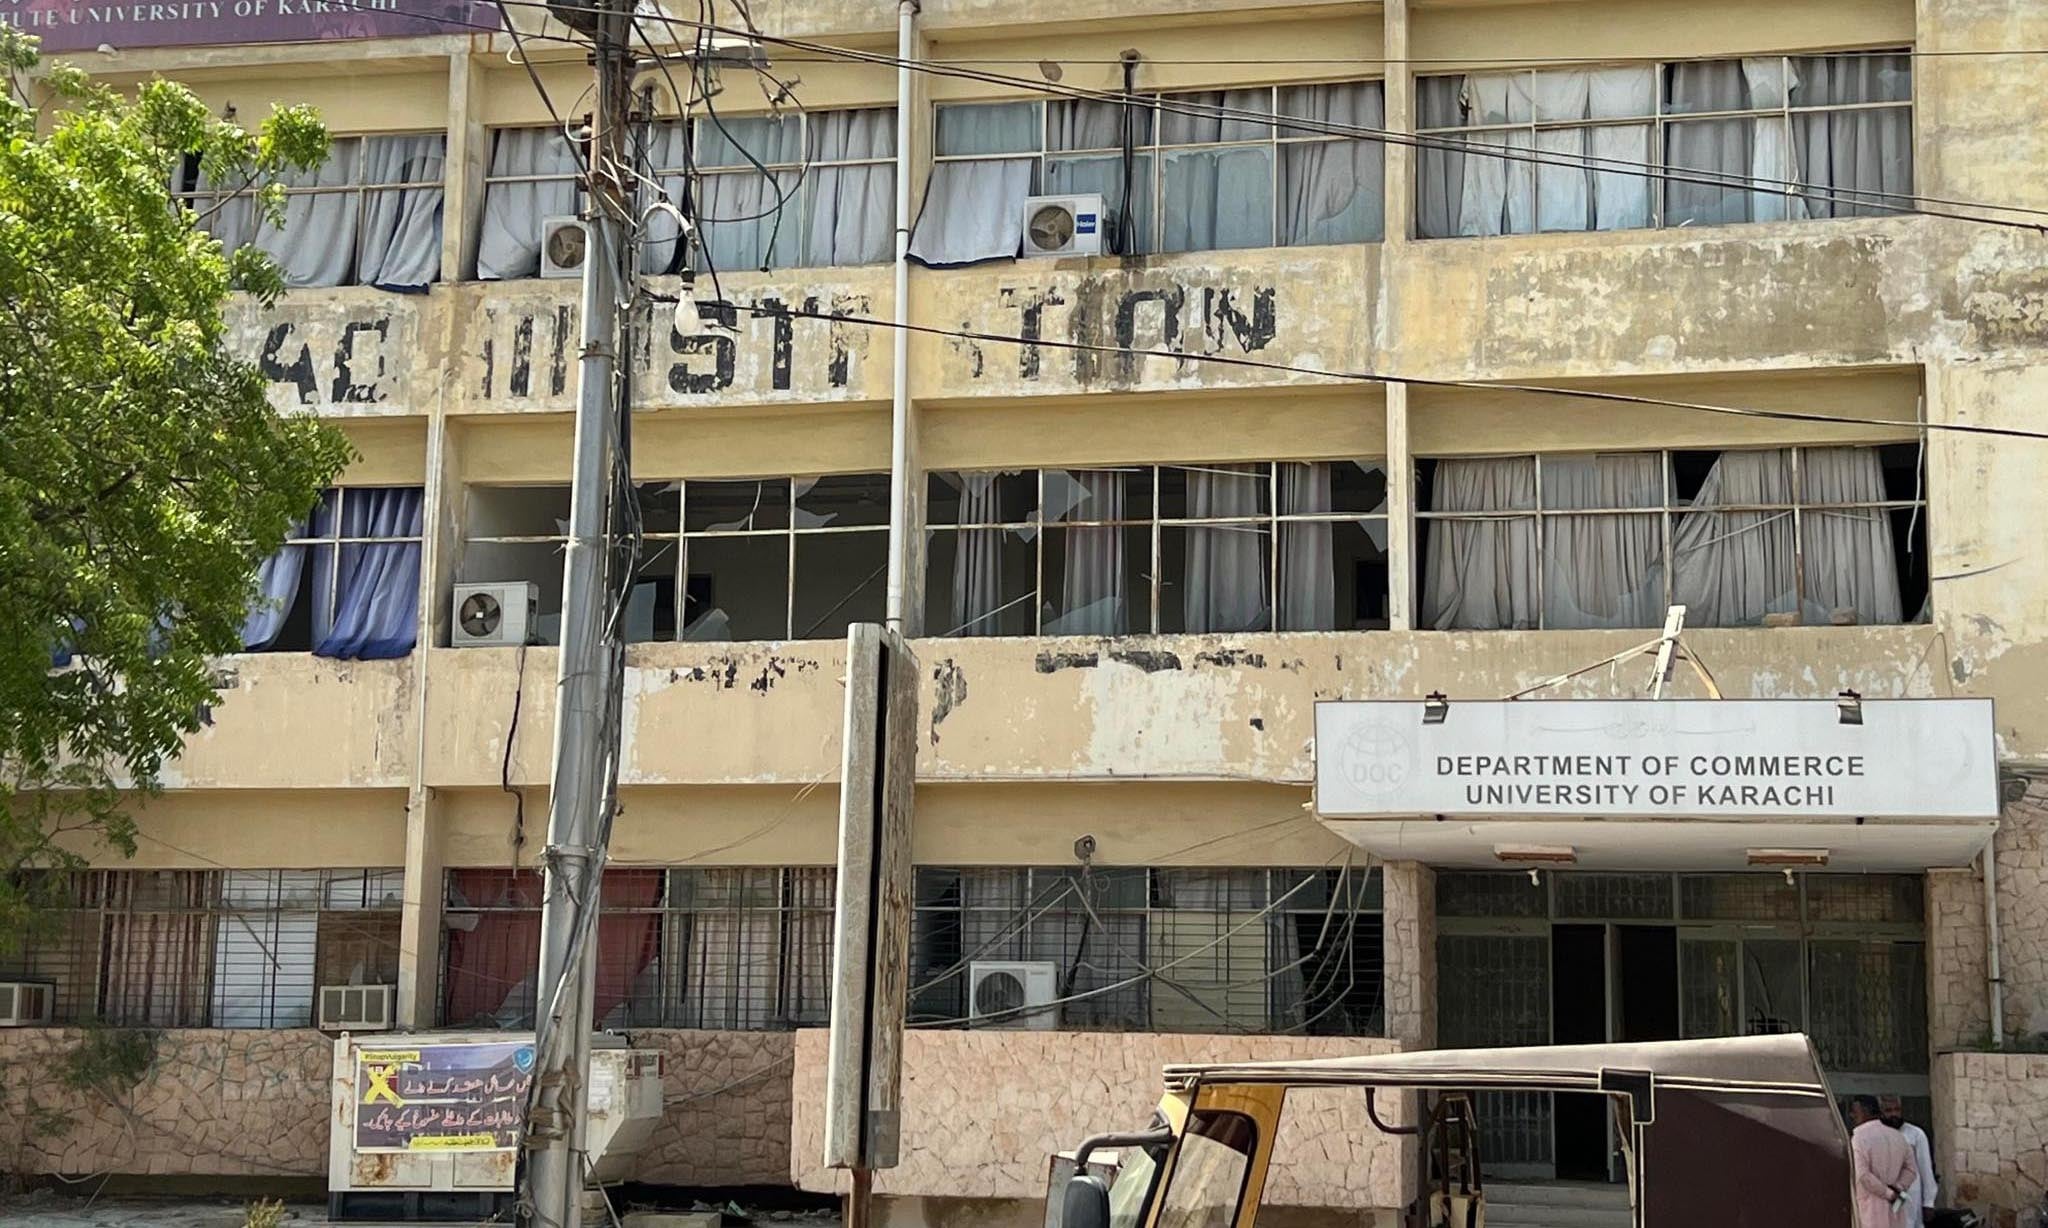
x,y
587,683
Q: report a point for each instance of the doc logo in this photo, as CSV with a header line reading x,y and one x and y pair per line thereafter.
x,y
1376,758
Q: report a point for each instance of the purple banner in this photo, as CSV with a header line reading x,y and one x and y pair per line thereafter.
x,y
445,1097
83,25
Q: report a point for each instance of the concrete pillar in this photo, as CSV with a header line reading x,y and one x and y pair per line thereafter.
x,y
1958,1006
419,926
469,156
1409,952
1399,204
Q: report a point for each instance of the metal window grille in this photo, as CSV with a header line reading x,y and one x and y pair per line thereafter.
x,y
221,217
1908,516
1159,950
212,948
746,949
1526,138
748,559
1041,509
1267,122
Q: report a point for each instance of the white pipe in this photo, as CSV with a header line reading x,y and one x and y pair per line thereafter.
x,y
1994,979
904,483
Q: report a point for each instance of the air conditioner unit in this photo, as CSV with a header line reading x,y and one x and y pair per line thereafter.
x,y
495,615
563,244
1002,993
358,1008
1066,225
25,1003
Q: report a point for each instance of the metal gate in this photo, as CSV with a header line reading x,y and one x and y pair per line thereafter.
x,y
1494,989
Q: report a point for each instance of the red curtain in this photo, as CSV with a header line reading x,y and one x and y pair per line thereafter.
x,y
501,953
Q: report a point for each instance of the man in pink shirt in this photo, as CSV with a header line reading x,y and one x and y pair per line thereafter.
x,y
1885,1167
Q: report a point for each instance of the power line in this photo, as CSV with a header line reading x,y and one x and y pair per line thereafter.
x,y
1373,377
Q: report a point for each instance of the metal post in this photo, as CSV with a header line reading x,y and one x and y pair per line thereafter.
x,y
574,858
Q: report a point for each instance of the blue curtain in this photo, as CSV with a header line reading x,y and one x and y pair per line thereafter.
x,y
376,587
277,591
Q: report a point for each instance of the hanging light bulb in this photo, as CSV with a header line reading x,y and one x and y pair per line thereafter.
x,y
687,318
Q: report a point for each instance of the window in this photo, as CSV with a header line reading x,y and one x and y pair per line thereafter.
x,y
1227,950
743,949
370,215
824,192
1742,538
752,559
1210,1170
346,582
203,948
1585,146
1297,545
1209,170
532,177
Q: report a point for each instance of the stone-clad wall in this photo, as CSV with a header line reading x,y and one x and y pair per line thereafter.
x,y
1991,1131
984,1111
229,1102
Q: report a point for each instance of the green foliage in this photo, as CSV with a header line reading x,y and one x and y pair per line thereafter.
x,y
108,1061
143,475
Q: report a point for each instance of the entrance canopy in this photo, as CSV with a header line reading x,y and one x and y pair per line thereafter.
x,y
1848,784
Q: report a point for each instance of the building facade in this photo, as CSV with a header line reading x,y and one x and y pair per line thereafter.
x,y
1161,516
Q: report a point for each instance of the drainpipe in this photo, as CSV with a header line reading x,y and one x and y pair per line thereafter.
x,y
897,612
1995,982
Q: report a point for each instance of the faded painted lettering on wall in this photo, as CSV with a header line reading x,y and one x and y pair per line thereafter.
x,y
352,356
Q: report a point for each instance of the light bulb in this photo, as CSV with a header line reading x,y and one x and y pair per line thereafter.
x,y
687,320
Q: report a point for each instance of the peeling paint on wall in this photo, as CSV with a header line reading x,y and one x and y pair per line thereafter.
x,y
334,352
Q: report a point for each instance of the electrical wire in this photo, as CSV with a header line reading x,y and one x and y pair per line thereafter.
x,y
1373,377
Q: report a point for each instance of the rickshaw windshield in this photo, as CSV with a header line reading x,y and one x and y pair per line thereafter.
x,y
1210,1172
1132,1190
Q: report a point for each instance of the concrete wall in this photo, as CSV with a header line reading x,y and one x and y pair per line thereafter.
x,y
1991,1132
984,1111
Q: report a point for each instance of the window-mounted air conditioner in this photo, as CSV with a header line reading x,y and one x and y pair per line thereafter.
x,y
499,614
563,245
1066,225
1013,994
25,1003
358,1008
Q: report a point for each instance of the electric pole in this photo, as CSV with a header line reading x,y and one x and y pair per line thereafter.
x,y
587,683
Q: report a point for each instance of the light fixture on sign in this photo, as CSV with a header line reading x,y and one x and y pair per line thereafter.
x,y
1537,854
1807,858
1435,707
1850,705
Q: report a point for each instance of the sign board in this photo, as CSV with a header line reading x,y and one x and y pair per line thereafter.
x,y
1692,758
871,930
447,1097
84,25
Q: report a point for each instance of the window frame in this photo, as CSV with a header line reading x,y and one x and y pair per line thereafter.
x,y
1154,105
1668,511
333,542
1270,522
1657,170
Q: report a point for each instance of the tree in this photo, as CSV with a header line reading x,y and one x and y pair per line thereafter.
x,y
143,474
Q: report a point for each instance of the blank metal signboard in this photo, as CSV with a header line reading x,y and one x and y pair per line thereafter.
x,y
871,934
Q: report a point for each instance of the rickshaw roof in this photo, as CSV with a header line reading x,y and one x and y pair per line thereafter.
x,y
1783,1062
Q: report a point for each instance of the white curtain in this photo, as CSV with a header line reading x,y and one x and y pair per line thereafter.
x,y
1333,191
744,226
1863,159
851,217
509,244
807,987
1221,198
973,208
731,958
1480,574
1087,125
1602,569
1770,159
1621,192
977,559
1440,161
316,246
1225,578
1093,600
666,143
1499,192
401,248
1847,552
1718,153
1308,577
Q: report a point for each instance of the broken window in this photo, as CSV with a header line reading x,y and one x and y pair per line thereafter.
x,y
370,215
747,559
1162,950
742,949
1208,170
203,948
1764,138
532,177
1232,547
346,581
1776,536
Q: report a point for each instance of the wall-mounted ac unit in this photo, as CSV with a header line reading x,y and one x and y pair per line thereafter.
x,y
358,1008
563,245
1066,225
494,615
25,1003
1003,993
